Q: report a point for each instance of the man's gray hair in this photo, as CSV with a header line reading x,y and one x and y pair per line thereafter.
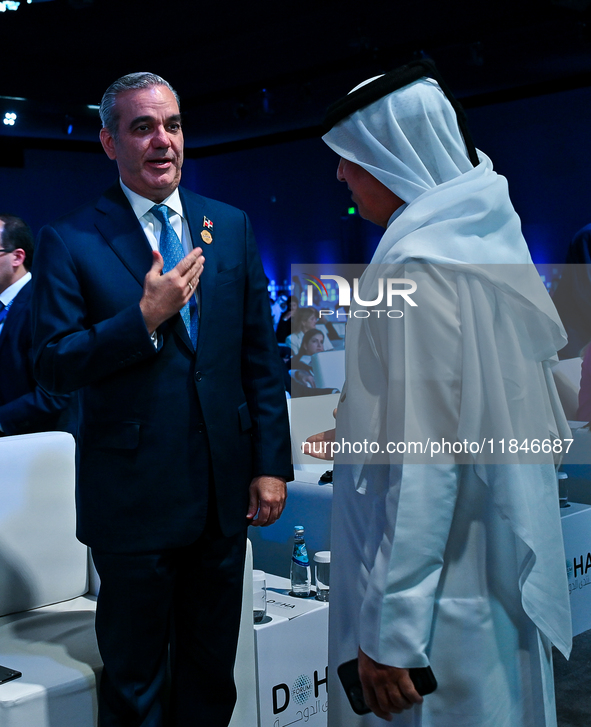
x,y
107,111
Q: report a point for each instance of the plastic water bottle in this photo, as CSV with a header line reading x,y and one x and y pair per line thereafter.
x,y
563,489
300,565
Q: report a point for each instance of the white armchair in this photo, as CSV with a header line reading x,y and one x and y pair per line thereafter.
x,y
47,621
46,608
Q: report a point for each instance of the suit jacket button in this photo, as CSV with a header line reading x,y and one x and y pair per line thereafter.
x,y
198,376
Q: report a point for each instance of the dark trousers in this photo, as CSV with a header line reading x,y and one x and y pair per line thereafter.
x,y
188,599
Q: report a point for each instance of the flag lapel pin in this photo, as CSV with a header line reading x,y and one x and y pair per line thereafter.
x,y
206,235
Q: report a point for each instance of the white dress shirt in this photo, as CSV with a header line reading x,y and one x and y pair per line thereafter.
x,y
151,226
10,293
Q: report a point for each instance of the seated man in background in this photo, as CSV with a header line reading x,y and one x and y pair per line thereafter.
x,y
24,406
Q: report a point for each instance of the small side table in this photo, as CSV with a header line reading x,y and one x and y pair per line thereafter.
x,y
292,658
576,531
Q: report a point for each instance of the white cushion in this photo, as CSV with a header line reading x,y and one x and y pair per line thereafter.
x,y
41,561
55,649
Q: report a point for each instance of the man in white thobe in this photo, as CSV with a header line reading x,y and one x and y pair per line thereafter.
x,y
450,560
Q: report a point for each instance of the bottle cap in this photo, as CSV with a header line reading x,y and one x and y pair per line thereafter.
x,y
322,556
258,575
298,527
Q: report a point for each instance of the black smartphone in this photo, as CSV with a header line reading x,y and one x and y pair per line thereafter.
x,y
422,677
349,676
7,674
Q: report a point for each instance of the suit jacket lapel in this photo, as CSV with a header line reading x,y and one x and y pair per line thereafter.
x,y
122,231
195,210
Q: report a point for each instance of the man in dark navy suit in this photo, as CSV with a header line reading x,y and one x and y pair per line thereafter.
x,y
24,406
152,304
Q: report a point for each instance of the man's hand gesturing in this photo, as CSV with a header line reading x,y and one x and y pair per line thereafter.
x,y
164,295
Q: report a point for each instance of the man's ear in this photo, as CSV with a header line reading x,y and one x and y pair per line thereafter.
x,y
108,143
19,257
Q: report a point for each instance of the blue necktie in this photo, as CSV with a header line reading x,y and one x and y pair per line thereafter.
x,y
172,253
3,312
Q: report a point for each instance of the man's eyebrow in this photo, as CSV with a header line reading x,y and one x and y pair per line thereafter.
x,y
139,120
175,118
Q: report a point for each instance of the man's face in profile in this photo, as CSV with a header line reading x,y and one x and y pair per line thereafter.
x,y
374,200
148,146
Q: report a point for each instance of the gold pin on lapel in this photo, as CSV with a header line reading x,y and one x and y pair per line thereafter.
x,y
206,235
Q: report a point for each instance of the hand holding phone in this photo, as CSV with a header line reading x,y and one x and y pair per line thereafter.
x,y
423,679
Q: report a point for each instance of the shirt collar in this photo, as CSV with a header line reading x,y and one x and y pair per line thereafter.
x,y
142,206
13,290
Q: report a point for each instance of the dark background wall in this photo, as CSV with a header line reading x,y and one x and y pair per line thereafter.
x,y
298,209
543,146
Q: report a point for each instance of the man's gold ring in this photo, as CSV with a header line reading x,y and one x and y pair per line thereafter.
x,y
190,285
